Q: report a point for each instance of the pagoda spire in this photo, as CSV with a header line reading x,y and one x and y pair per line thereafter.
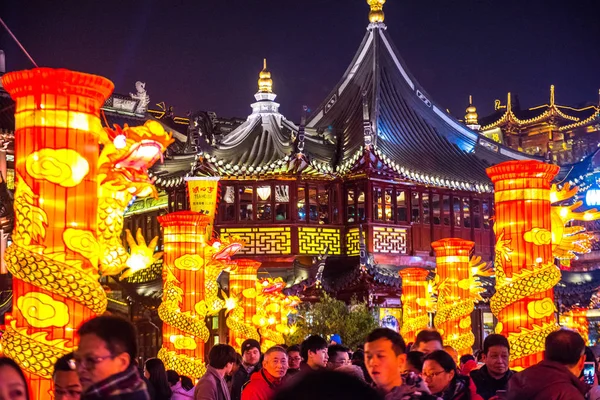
x,y
551,95
471,116
376,14
265,98
508,103
367,128
265,83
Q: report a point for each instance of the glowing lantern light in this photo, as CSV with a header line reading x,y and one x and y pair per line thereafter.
x,y
524,262
57,128
184,333
576,319
414,302
457,289
242,290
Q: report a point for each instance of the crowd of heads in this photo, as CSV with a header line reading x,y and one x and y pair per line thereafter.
x,y
108,347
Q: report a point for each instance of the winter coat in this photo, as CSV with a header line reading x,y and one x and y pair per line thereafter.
x,y
211,386
126,385
179,393
488,385
239,380
547,380
262,386
413,388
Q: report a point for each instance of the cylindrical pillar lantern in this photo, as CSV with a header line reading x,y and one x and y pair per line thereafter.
x,y
184,329
414,302
241,305
524,264
455,302
53,257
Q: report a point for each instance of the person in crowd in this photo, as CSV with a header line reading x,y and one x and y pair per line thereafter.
x,y
337,356
428,340
236,366
314,353
494,374
184,390
358,359
13,385
353,370
105,360
441,375
557,376
294,359
173,378
467,364
263,384
327,385
65,380
154,371
414,362
212,385
250,364
594,391
385,358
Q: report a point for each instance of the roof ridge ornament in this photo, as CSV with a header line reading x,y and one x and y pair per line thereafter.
x,y
367,128
551,95
265,83
376,15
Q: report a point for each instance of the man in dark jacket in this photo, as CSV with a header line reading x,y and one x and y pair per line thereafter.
x,y
250,364
212,385
557,377
494,375
105,360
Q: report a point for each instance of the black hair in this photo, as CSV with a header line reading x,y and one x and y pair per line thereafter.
x,y
328,385
415,358
444,359
336,348
494,339
312,343
385,333
238,359
158,378
118,334
172,377
294,347
187,383
564,346
64,363
220,355
428,335
7,362
466,358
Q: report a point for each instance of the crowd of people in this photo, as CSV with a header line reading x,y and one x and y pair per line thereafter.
x,y
385,367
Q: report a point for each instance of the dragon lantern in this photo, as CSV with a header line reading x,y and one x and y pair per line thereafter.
x,y
415,302
65,204
530,234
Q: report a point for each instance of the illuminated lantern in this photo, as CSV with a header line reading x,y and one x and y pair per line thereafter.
x,y
457,290
53,257
184,330
415,296
576,319
241,304
524,262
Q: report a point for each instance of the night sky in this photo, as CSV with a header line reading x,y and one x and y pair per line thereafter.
x,y
206,55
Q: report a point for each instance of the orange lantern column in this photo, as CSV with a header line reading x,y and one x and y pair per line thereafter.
x,y
184,330
455,302
414,301
241,304
524,264
54,257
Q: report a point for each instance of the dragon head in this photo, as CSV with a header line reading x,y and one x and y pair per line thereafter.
x,y
129,152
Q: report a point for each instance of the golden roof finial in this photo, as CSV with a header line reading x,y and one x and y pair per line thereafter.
x,y
265,83
551,95
376,14
508,103
471,116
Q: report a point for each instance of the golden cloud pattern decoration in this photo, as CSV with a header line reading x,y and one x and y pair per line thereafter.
x,y
189,262
64,167
42,311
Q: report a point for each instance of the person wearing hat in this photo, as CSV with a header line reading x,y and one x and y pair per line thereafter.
x,y
250,364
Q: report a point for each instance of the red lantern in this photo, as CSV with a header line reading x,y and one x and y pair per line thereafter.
x,y
524,263
456,289
54,257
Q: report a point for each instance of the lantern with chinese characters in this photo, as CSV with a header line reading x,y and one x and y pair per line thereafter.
x,y
241,304
415,302
457,289
524,263
53,257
